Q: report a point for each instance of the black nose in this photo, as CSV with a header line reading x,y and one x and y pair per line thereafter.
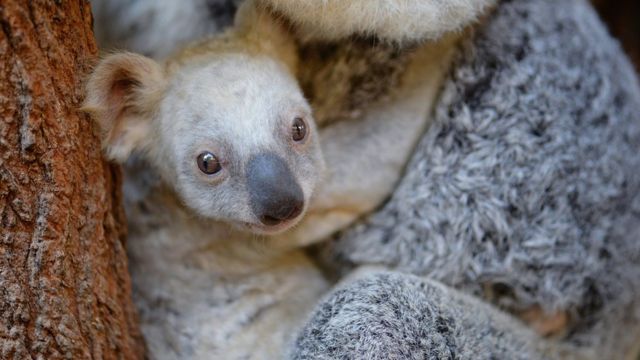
x,y
274,193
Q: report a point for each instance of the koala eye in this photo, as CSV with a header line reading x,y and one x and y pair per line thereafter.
x,y
298,129
208,163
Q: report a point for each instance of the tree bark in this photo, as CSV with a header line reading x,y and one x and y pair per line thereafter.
x,y
64,286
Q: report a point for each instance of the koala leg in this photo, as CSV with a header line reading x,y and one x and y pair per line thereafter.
x,y
390,315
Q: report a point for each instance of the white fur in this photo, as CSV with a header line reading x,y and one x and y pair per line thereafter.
x,y
155,28
233,106
206,287
389,20
208,292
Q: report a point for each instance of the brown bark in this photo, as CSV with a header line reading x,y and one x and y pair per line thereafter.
x,y
64,286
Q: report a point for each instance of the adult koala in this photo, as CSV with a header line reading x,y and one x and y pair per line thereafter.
x,y
524,193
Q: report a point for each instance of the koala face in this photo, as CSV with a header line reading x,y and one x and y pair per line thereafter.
x,y
239,142
232,134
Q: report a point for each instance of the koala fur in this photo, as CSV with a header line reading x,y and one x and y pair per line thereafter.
x,y
207,283
396,21
157,28
524,191
527,181
356,52
379,314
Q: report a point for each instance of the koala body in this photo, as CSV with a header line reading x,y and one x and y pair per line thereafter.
x,y
229,140
207,291
215,130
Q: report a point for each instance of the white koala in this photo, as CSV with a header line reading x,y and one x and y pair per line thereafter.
x,y
224,130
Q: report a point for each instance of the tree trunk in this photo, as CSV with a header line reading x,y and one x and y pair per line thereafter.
x,y
65,290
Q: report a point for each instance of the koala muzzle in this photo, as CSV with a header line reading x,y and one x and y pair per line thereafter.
x,y
274,193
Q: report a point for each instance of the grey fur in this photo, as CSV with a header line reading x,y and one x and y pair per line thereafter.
x,y
156,28
397,316
525,190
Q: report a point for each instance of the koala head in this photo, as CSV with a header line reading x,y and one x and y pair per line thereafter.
x,y
230,132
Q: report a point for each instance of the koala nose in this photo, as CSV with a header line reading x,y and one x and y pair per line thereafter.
x,y
274,193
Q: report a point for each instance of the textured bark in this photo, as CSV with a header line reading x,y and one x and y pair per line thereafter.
x,y
64,285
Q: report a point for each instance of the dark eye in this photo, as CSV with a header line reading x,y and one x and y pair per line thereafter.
x,y
208,163
298,129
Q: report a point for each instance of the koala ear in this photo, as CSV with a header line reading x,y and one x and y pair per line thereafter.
x,y
259,25
122,93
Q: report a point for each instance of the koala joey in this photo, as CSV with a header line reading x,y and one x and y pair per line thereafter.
x,y
225,128
236,160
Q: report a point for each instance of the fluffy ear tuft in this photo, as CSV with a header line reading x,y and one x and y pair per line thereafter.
x,y
122,93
